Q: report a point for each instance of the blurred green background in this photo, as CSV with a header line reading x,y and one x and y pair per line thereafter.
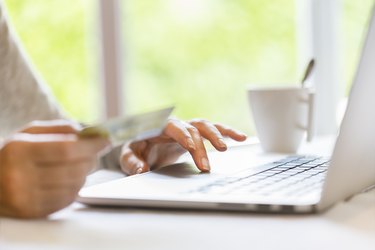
x,y
197,55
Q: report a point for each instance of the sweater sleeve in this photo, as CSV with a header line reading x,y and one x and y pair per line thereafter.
x,y
23,95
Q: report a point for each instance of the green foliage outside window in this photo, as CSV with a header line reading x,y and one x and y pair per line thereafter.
x,y
201,55
58,37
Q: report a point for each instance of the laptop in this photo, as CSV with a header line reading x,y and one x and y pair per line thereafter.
x,y
269,183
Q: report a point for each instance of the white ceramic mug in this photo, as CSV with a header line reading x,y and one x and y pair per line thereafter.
x,y
282,116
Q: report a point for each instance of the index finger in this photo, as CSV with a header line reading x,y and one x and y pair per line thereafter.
x,y
66,149
189,138
52,127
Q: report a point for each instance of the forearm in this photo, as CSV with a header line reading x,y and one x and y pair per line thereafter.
x,y
23,96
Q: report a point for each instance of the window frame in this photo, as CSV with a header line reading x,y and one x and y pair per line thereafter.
x,y
111,58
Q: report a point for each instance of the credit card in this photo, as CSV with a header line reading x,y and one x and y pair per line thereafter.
x,y
135,127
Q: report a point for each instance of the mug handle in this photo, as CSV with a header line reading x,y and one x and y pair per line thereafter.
x,y
310,116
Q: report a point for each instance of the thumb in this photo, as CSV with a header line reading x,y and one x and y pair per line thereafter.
x,y
131,163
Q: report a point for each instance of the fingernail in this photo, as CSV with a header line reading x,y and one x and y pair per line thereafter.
x,y
139,168
205,164
222,143
191,144
242,134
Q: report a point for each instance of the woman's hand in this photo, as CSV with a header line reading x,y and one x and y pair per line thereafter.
x,y
177,138
43,167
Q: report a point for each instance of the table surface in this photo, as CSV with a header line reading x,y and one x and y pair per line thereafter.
x,y
347,225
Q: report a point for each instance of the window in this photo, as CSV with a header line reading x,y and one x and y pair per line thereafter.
x,y
355,18
201,55
197,55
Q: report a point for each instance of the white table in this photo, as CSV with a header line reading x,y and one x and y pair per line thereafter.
x,y
348,225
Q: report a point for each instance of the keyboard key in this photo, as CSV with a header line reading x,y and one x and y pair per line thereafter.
x,y
292,176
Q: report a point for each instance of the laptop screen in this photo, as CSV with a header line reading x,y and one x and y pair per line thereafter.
x,y
353,161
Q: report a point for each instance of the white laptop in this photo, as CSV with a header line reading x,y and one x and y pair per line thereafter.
x,y
294,184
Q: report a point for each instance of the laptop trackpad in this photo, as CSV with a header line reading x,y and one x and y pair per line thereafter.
x,y
181,170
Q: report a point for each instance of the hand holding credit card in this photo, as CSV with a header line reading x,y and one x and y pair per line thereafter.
x,y
135,127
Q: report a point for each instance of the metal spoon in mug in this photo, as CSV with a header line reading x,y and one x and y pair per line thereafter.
x,y
308,71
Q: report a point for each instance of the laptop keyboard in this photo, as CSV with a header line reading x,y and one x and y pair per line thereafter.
x,y
292,176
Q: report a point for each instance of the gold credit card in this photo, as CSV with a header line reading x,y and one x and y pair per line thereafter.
x,y
135,127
